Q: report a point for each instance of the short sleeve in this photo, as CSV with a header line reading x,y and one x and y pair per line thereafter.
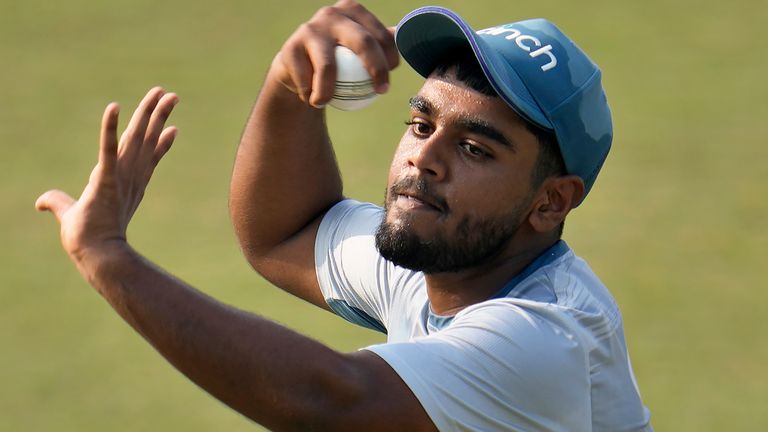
x,y
498,366
351,273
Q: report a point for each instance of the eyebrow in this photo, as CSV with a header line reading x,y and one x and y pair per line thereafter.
x,y
421,104
471,124
482,127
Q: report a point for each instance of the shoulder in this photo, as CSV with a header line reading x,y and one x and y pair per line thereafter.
x,y
528,331
356,281
511,366
358,216
346,235
568,292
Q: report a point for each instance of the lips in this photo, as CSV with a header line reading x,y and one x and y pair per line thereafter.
x,y
415,193
414,200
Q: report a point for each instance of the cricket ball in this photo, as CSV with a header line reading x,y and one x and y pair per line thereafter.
x,y
354,86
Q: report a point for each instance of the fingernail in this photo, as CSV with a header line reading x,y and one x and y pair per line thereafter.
x,y
382,88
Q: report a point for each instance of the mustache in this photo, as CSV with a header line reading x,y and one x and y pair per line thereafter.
x,y
419,188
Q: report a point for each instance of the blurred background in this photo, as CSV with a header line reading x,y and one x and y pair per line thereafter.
x,y
674,226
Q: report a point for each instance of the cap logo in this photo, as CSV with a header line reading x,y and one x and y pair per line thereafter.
x,y
524,42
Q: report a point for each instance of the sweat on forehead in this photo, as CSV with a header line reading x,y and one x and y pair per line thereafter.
x,y
458,78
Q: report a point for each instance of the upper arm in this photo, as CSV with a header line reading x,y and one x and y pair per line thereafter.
x,y
380,401
334,258
291,265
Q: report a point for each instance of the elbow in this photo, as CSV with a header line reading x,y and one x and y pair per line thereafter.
x,y
326,401
253,242
257,255
342,408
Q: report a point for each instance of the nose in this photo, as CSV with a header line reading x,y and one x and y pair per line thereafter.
x,y
429,157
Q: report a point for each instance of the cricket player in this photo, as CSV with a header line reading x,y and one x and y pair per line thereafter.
x,y
493,323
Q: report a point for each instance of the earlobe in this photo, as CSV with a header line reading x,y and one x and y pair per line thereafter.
x,y
556,197
541,210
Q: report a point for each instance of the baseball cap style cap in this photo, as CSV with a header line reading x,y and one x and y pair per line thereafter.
x,y
535,68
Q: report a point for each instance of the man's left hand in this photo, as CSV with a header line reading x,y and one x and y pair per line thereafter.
x,y
98,220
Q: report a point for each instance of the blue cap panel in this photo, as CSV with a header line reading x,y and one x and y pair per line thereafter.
x,y
584,123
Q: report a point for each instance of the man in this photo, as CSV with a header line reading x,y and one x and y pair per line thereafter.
x,y
493,323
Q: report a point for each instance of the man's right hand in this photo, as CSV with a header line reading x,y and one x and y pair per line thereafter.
x,y
306,64
285,176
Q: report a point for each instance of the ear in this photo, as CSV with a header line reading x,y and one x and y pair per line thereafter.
x,y
554,199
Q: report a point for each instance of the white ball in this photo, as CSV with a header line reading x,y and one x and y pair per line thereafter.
x,y
354,87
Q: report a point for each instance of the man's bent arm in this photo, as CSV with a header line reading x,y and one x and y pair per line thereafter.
x,y
285,177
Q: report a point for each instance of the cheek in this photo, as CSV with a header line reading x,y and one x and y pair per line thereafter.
x,y
490,195
399,163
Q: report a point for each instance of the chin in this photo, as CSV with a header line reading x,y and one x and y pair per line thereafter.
x,y
415,223
421,243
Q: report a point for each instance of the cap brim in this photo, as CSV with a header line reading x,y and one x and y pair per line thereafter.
x,y
426,35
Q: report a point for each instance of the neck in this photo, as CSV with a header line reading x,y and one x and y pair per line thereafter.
x,y
451,292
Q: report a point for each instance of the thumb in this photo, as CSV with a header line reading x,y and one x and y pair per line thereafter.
x,y
55,201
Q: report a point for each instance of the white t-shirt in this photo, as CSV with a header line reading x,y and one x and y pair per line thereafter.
x,y
546,353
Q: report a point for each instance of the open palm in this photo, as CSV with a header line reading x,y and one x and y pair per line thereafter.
x,y
116,186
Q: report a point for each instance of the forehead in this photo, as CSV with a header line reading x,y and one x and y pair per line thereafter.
x,y
449,97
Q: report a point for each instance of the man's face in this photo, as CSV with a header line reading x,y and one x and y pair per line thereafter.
x,y
459,185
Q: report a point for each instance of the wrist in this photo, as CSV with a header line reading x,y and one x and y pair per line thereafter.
x,y
282,90
101,262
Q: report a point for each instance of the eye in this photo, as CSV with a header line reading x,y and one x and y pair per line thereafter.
x,y
419,128
474,150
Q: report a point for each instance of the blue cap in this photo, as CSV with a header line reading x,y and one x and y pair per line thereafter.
x,y
535,68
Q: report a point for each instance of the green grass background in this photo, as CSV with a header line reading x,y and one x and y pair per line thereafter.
x,y
674,226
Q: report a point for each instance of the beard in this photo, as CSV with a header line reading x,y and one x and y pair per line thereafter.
x,y
475,241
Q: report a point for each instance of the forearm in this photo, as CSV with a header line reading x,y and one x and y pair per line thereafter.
x,y
285,173
265,371
271,374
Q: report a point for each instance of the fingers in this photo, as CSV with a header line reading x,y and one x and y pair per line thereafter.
x,y
384,35
108,138
157,121
307,60
133,136
164,144
323,59
138,148
55,201
370,51
300,73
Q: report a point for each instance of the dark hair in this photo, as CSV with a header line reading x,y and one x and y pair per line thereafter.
x,y
466,68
